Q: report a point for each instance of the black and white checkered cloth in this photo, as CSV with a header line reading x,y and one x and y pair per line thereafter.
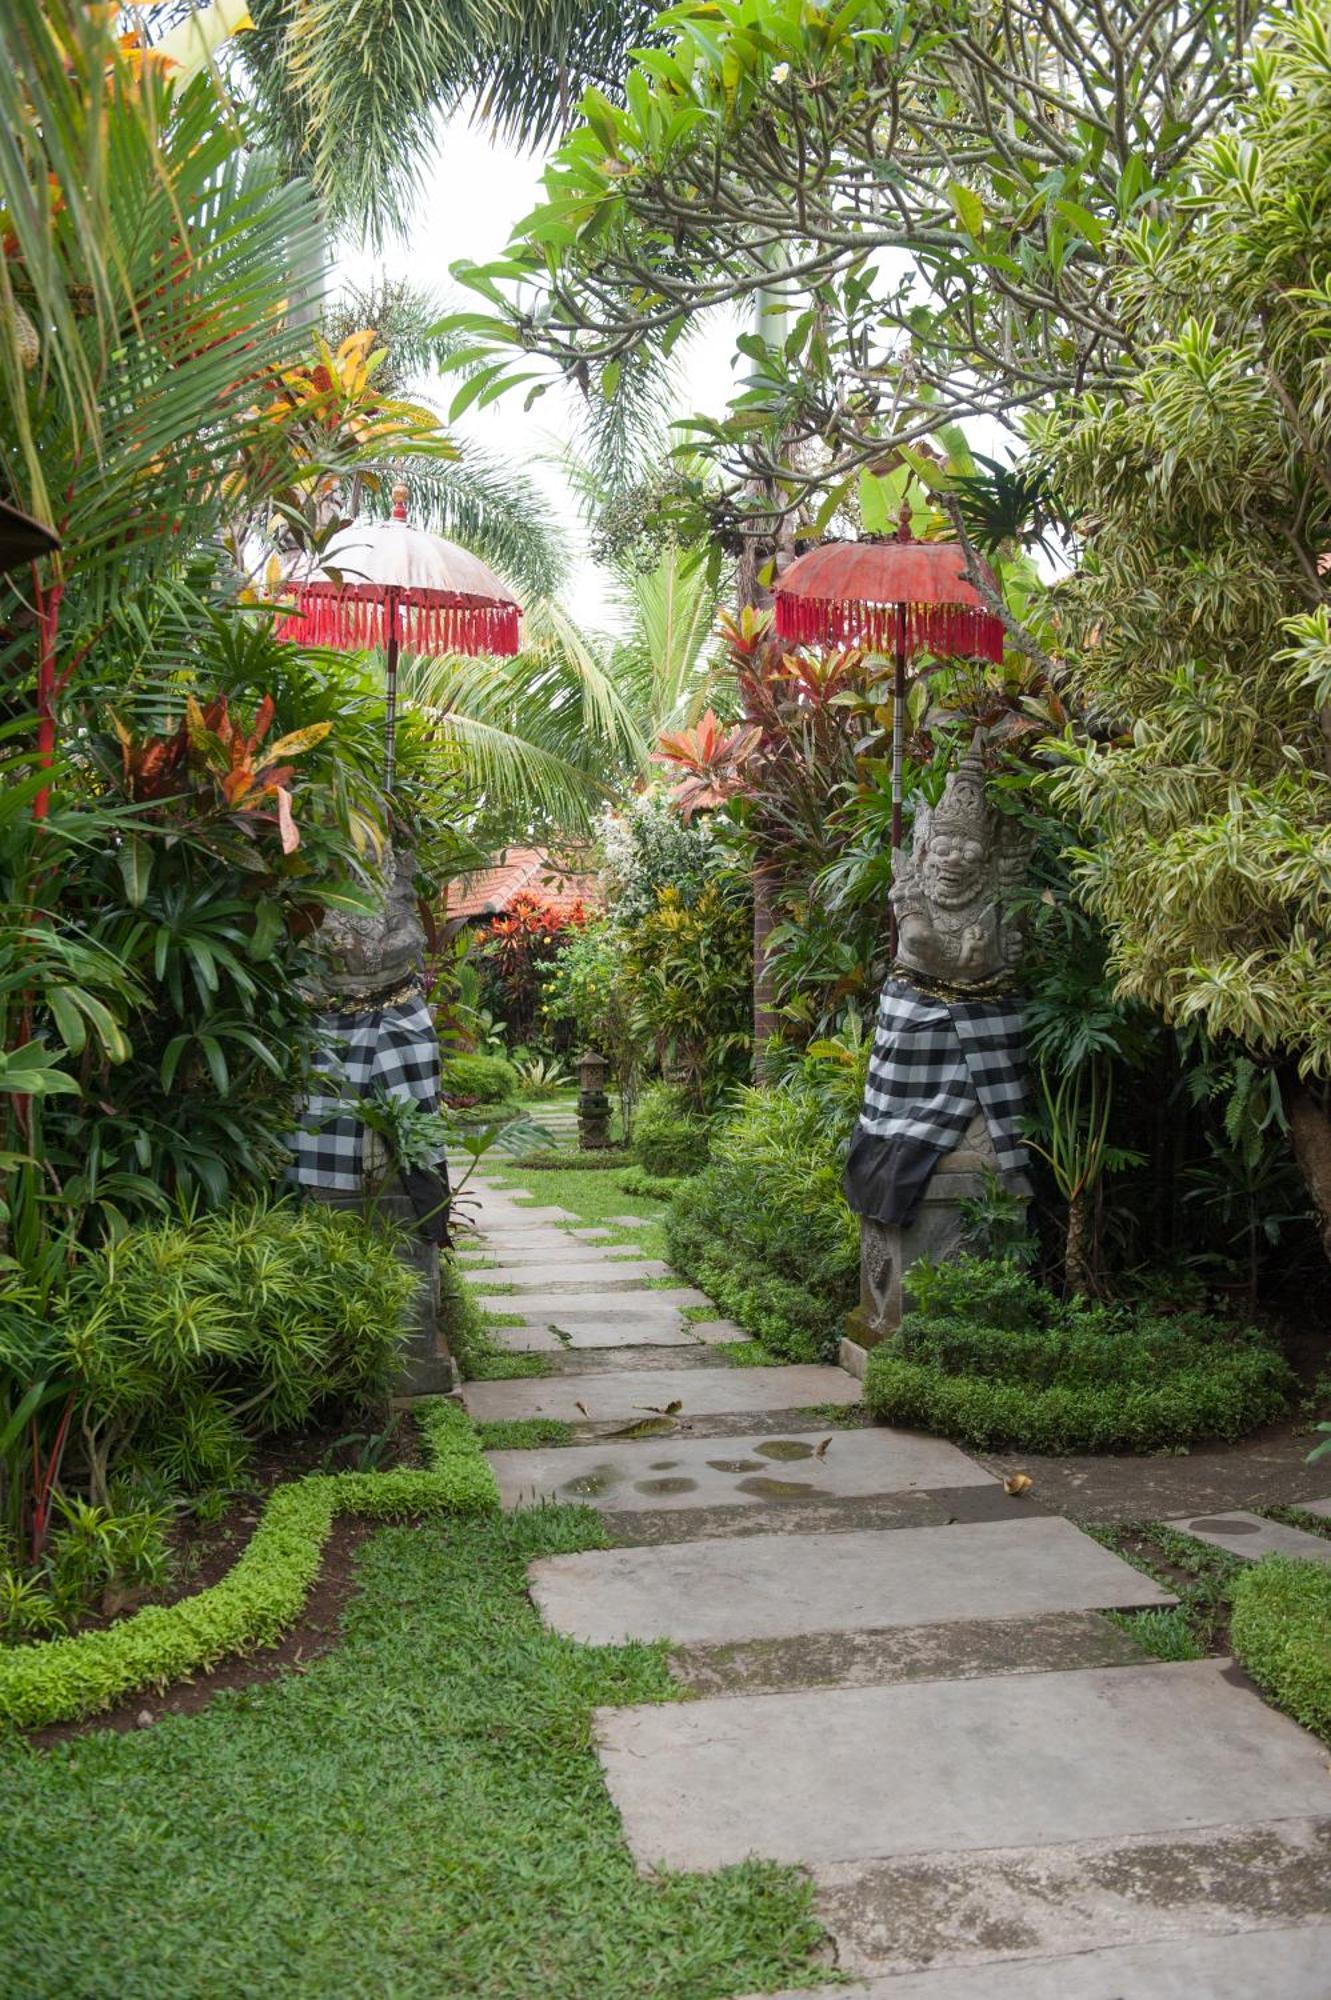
x,y
935,1063
392,1051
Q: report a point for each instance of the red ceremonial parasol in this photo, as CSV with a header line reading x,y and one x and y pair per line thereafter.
x,y
898,597
385,583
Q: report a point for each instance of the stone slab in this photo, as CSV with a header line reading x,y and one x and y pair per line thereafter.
x,y
1322,1508
492,1213
615,1310
534,1337
775,1586
583,1273
902,1914
554,1246
630,1221
719,1333
704,1391
690,1473
931,1767
1245,1965
1252,1536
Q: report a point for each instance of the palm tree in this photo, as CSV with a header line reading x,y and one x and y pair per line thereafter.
x,y
350,95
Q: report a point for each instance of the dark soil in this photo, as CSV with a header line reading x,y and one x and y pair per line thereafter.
x,y
316,1631
205,1551
1268,1469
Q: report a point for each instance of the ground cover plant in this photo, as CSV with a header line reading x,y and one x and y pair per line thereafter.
x,y
419,1812
259,1597
988,1357
1282,1634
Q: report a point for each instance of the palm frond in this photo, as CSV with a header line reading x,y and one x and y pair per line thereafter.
x,y
670,611
351,94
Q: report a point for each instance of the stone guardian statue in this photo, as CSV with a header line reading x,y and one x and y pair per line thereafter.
x,y
945,1089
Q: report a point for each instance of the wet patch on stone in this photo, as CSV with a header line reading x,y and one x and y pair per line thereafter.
x,y
735,1465
768,1488
664,1486
791,1448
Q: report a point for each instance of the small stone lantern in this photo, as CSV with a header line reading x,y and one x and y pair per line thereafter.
x,y
593,1104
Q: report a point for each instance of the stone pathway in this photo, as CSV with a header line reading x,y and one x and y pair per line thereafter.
x,y
905,1680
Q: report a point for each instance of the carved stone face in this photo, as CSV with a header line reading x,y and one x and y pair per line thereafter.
x,y
953,870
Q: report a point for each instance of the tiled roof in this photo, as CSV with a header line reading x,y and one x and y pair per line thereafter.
x,y
491,890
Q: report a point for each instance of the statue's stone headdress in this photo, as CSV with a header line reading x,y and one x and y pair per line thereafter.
x,y
963,809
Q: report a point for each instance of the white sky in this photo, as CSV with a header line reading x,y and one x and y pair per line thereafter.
x,y
474,192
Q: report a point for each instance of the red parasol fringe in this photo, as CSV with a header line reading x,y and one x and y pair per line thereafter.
x,y
953,631
353,617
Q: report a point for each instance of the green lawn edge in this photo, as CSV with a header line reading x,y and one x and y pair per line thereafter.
x,y
64,1680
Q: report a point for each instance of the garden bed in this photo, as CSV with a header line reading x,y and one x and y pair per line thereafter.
x,y
260,1596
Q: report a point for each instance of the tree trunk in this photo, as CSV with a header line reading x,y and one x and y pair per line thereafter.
x,y
1079,1246
765,1022
1310,1132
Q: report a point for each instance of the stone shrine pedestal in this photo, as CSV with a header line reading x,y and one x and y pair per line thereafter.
x,y
888,1251
426,1367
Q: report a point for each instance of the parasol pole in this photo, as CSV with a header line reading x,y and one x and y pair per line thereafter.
x,y
898,762
390,710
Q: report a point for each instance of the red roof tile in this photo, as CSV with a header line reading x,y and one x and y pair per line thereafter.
x,y
492,890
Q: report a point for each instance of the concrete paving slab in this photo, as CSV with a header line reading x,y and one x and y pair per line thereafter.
x,y
902,1914
494,1213
582,1273
775,1586
703,1392
639,1476
1322,1508
541,1337
602,1319
1245,1965
719,1332
930,1767
1252,1536
552,1246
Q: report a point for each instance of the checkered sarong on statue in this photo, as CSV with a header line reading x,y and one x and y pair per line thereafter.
x,y
391,1051
935,1063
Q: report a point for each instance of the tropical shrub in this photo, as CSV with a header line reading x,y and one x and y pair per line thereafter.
x,y
765,1230
186,1341
991,1358
479,1079
669,1136
690,964
516,950
648,847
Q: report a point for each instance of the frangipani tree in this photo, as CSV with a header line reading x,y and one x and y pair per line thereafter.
x,y
1198,619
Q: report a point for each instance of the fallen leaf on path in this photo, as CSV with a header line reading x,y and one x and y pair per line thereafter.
x,y
820,1450
670,1409
1018,1483
585,1411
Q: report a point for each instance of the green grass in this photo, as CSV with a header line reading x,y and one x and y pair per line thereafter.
x,y
418,1814
523,1433
746,1354
61,1680
469,1332
1201,1577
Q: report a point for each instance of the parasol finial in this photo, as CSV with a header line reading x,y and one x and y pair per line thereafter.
x,y
903,522
399,502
